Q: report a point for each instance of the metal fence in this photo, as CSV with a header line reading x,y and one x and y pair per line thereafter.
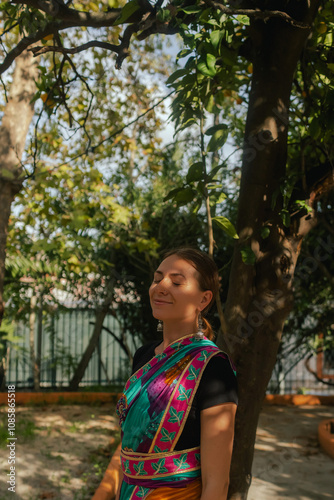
x,y
64,339
66,335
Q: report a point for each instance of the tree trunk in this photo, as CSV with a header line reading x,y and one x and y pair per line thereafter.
x,y
260,296
81,368
13,132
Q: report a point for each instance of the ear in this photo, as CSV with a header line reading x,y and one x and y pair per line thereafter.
x,y
206,299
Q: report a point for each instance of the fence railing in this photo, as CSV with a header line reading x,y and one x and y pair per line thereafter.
x,y
66,335
64,339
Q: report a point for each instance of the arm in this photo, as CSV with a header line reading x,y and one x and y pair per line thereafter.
x,y
119,484
217,432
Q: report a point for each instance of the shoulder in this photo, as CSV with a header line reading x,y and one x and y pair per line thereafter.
x,y
218,384
144,354
220,364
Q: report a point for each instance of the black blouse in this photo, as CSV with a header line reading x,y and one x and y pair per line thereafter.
x,y
218,385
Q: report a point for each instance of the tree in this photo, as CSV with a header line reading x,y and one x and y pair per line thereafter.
x,y
17,115
289,46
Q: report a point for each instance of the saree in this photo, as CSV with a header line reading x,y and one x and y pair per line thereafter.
x,y
153,410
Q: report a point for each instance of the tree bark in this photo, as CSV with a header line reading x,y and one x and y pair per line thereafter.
x,y
260,295
13,132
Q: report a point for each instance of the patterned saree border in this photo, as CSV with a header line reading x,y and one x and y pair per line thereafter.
x,y
184,420
146,467
156,358
163,419
148,456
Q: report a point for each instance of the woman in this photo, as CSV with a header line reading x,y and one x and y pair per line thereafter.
x,y
177,411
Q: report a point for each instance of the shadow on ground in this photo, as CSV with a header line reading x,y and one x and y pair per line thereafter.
x,y
288,461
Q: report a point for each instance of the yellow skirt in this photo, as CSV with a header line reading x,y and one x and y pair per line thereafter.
x,y
192,491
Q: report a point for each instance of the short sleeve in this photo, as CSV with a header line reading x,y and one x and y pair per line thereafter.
x,y
218,384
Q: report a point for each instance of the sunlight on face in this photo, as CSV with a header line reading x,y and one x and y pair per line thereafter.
x,y
175,294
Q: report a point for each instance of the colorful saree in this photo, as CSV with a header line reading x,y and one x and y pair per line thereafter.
x,y
153,410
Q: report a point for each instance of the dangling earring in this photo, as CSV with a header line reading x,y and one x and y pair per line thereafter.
x,y
200,333
160,326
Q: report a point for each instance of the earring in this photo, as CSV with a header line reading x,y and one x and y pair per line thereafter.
x,y
160,326
200,333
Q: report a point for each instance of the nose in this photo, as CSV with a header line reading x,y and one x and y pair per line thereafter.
x,y
161,287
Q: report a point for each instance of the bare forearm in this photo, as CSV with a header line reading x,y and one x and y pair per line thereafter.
x,y
217,492
119,484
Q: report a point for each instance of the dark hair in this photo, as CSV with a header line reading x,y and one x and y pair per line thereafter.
x,y
208,278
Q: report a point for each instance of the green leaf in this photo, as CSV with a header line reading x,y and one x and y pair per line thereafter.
x,y
226,226
302,205
183,53
217,140
248,256
172,193
205,70
243,20
215,170
177,74
127,11
215,37
192,9
195,172
211,63
186,195
163,15
212,130
265,231
222,197
285,216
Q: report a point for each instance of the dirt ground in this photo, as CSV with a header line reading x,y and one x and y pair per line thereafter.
x,y
62,452
288,461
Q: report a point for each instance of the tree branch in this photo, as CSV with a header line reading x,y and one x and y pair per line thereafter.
x,y
61,13
66,18
264,15
309,369
39,49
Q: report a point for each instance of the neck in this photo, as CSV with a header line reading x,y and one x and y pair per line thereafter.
x,y
173,332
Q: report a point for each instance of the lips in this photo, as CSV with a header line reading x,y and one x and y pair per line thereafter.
x,y
158,302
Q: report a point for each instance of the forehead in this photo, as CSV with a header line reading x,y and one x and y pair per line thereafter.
x,y
174,265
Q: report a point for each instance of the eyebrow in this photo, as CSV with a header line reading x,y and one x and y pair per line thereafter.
x,y
172,274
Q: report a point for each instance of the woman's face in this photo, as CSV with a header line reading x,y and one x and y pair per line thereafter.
x,y
175,294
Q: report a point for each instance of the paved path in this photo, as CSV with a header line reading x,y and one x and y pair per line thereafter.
x,y
288,461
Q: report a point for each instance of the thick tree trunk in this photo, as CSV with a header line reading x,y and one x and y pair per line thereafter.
x,y
13,132
93,342
260,296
